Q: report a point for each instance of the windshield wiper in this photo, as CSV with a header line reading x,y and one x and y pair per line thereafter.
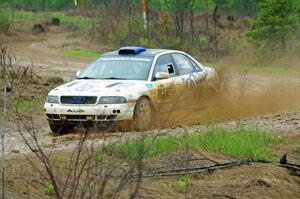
x,y
114,78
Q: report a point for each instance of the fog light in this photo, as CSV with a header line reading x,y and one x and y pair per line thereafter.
x,y
90,118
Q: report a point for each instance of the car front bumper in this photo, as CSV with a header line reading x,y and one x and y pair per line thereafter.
x,y
103,112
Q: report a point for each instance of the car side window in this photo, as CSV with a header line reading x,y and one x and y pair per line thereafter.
x,y
183,63
164,64
196,67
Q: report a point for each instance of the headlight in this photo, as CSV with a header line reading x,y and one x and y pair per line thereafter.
x,y
53,99
112,100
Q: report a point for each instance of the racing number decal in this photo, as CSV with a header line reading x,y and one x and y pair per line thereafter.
x,y
162,92
190,81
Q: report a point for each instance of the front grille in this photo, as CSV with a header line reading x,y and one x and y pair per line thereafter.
x,y
85,117
78,117
78,99
107,117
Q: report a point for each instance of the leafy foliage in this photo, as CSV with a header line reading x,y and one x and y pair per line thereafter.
x,y
49,189
240,6
277,19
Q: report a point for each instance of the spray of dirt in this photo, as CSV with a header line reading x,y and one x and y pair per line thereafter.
x,y
241,96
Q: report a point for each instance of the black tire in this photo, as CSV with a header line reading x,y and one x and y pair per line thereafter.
x,y
143,112
59,128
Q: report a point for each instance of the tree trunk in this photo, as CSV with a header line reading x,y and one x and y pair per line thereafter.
x,y
44,5
129,14
283,43
215,39
206,17
191,20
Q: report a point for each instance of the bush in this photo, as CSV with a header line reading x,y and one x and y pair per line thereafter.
x,y
4,22
49,189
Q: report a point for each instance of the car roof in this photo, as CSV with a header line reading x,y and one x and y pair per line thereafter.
x,y
147,52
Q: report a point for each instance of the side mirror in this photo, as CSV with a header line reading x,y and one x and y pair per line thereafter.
x,y
162,75
77,74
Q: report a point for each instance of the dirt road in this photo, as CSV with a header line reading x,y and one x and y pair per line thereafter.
x,y
246,95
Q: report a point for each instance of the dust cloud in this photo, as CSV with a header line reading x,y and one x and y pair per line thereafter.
x,y
242,95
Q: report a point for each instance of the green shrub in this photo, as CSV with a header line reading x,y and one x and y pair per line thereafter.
x,y
203,41
4,22
183,183
49,189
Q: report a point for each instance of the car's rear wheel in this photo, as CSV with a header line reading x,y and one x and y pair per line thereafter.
x,y
142,117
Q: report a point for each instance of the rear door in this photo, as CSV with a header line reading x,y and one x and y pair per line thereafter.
x,y
190,75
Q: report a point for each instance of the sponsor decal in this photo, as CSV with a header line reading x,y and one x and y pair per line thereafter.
x,y
125,85
84,87
114,84
124,59
77,100
71,84
75,111
149,86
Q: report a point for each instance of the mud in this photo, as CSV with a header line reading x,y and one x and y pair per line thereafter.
x,y
242,96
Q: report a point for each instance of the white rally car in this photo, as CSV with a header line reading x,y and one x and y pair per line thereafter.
x,y
124,85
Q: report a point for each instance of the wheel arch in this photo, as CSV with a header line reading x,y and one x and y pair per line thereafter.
x,y
148,98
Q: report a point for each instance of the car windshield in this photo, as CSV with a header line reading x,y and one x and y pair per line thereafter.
x,y
116,67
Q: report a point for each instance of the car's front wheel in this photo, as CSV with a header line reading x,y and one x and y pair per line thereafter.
x,y
60,128
143,113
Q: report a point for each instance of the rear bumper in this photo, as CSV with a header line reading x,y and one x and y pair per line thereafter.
x,y
81,113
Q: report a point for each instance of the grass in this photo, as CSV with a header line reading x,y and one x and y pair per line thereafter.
x,y
76,21
260,69
77,53
270,69
241,143
4,22
183,183
30,104
296,149
22,15
49,189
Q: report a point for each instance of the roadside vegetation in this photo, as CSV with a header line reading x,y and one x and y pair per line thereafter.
x,y
79,22
209,30
77,53
237,144
120,163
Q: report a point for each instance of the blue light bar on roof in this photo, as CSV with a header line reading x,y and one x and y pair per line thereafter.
x,y
131,50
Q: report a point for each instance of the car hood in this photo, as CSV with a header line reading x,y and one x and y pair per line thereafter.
x,y
100,88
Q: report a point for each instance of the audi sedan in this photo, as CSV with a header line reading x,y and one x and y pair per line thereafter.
x,y
127,85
